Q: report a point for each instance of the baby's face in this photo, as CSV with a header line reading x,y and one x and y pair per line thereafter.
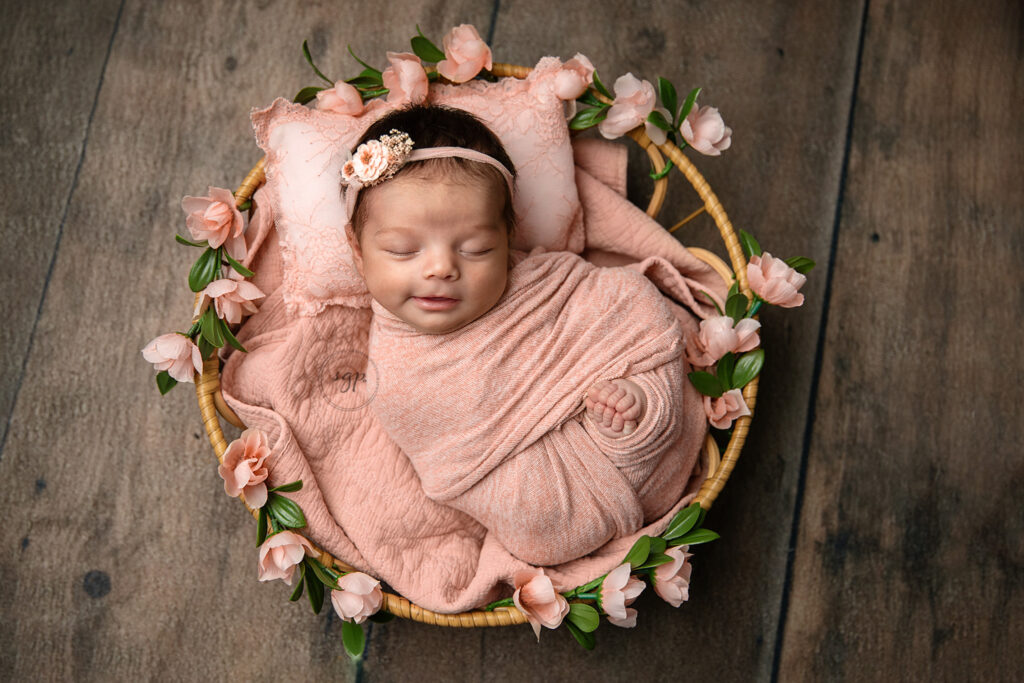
x,y
434,254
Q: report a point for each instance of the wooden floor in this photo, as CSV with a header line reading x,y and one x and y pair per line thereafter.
x,y
873,528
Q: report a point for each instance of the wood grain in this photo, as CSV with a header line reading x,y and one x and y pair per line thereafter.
x,y
910,564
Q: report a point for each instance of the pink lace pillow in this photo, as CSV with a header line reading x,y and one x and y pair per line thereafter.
x,y
306,148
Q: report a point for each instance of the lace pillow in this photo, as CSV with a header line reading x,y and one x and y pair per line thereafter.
x,y
306,148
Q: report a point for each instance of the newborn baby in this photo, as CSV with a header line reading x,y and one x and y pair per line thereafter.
x,y
538,393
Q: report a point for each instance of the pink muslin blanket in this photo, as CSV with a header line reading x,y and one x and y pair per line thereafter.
x,y
362,498
492,417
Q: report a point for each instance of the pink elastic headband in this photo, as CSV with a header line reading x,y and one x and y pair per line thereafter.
x,y
390,154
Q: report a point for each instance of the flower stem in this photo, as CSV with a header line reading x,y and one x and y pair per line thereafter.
x,y
498,603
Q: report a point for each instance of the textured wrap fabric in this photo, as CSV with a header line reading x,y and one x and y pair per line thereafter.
x,y
491,414
363,500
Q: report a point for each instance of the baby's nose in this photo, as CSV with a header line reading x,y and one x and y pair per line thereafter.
x,y
441,265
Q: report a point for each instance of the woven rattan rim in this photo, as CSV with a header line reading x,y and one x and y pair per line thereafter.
x,y
720,466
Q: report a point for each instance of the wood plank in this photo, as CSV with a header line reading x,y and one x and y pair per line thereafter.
x,y
125,556
53,57
782,75
909,561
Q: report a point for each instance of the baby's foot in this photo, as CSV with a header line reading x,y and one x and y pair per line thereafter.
x,y
616,406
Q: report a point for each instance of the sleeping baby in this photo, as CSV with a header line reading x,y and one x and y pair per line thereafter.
x,y
536,392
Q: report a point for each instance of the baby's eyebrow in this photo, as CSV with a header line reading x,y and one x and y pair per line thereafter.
x,y
490,227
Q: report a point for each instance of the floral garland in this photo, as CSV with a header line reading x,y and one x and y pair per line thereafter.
x,y
218,226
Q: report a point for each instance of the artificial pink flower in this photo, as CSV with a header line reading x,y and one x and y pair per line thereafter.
x,y
634,101
774,281
216,219
574,78
465,54
405,79
704,130
537,598
370,161
672,579
243,470
723,410
232,298
343,98
718,336
359,597
618,590
176,354
280,553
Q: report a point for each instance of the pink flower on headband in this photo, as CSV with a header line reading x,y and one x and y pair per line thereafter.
x,y
465,54
377,160
405,79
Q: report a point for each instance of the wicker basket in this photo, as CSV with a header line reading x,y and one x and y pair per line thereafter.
x,y
718,465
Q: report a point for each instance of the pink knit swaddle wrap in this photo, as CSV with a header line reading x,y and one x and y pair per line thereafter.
x,y
491,415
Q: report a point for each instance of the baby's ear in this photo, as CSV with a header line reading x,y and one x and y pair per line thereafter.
x,y
353,243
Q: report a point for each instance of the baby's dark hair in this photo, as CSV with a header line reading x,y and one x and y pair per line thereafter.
x,y
438,126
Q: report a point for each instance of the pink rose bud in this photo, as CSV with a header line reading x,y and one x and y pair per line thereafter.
x,y
774,281
242,468
465,54
176,354
280,553
214,218
634,101
718,336
574,78
343,98
723,410
360,596
618,590
672,579
232,298
537,598
705,131
405,79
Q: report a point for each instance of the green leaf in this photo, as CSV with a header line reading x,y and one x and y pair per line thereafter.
x,y
600,87
588,98
306,95
309,58
587,640
736,307
164,382
584,616
732,290
285,512
663,172
725,368
706,383
204,270
382,617
321,573
637,555
289,487
365,65
684,520
242,270
586,118
182,240
688,103
205,348
758,302
749,244
370,94
657,545
354,638
365,82
696,537
655,560
426,50
800,264
591,585
713,302
297,593
226,331
315,593
261,526
244,206
210,327
658,119
747,368
667,93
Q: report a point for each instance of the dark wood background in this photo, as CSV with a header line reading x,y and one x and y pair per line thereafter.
x,y
873,528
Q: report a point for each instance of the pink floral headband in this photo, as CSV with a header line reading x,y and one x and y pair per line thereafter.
x,y
375,161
